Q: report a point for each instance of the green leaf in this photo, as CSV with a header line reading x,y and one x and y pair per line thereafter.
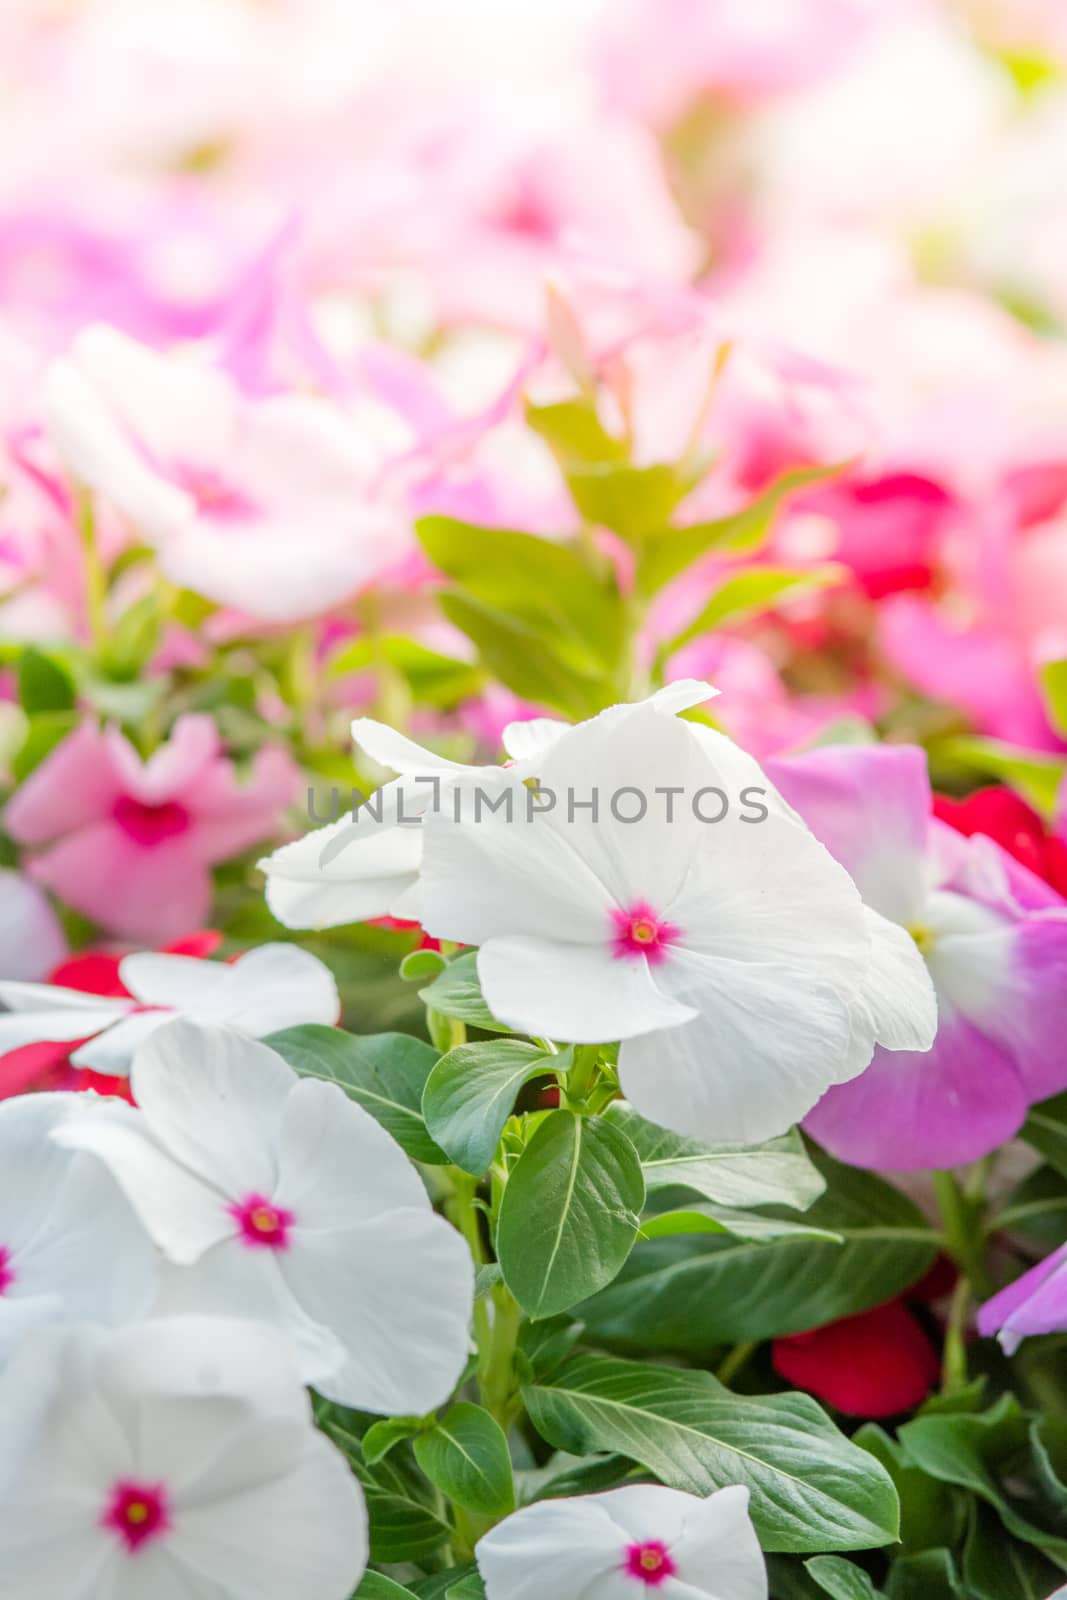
x,y
1046,1129
631,501
742,1224
1054,690
418,965
471,1093
738,1176
540,581
45,732
377,1587
456,992
664,557
381,1436
469,1587
434,679
971,1452
528,658
545,1346
929,1511
466,1455
757,589
999,1568
842,1580
690,1294
929,1576
1048,1443
570,1213
1037,778
385,1073
402,1529
812,1490
44,684
575,434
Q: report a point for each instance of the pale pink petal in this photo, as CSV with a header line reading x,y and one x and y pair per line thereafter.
x,y
148,894
73,786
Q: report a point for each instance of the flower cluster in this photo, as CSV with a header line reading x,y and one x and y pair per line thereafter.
x,y
624,1152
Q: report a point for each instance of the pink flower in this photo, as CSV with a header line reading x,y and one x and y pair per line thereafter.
x,y
130,843
261,504
1034,1303
994,939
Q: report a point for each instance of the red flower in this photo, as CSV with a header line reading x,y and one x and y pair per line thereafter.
x,y
877,1364
47,1065
398,925
1002,816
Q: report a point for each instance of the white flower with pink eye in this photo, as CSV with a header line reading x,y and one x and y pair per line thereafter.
x,y
71,1248
281,1199
272,987
642,1542
261,504
726,949
175,1459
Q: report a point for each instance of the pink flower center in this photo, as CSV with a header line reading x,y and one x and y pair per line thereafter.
x,y
639,931
214,496
263,1225
138,1513
7,1275
651,1562
150,825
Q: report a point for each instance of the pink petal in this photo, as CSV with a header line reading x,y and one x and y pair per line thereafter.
x,y
73,786
144,894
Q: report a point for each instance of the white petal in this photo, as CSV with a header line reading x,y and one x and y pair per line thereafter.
x,y
41,1011
718,1551
336,1164
112,1051
764,1049
176,982
397,1292
184,1215
346,872
400,754
553,1547
526,741
272,987
899,1001
214,1099
578,992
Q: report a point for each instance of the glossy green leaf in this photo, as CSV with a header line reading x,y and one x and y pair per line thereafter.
x,y
385,1073
840,1579
381,1437
570,1213
742,1224
456,992
466,1455
690,1294
471,1093
778,1173
376,1586
812,1490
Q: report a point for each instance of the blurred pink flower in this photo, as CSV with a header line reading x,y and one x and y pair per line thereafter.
x,y
32,941
263,505
130,843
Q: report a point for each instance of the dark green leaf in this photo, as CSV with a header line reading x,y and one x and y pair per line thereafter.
x,y
998,1568
385,1073
1046,1129
471,1093
570,1213
544,1346
466,1455
812,1490
929,1576
690,1294
930,1512
44,684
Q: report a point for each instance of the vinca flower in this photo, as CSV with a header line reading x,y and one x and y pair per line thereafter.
x,y
130,843
727,950
997,966
1034,1303
31,938
283,1200
175,1459
634,1543
275,986
71,1249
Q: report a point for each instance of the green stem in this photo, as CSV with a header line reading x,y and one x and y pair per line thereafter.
x,y
95,577
738,1357
954,1361
582,1077
496,1368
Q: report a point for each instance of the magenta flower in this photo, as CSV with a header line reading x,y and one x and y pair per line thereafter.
x,y
1034,1303
994,939
131,843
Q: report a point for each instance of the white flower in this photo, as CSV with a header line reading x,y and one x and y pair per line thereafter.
x,y
284,1200
629,1544
71,1249
276,986
368,866
175,1460
733,957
